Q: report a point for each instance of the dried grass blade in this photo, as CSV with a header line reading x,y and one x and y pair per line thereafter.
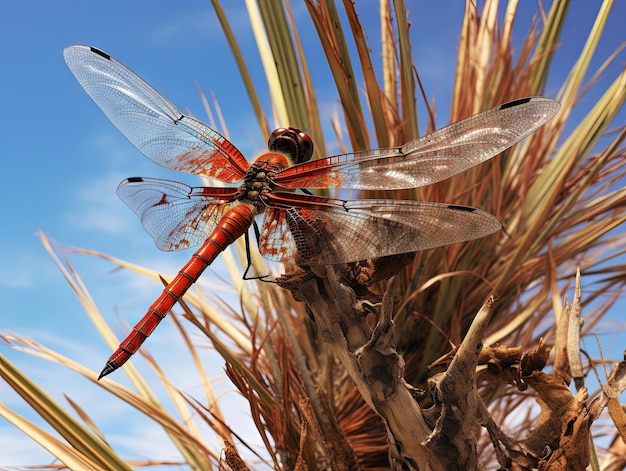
x,y
76,283
209,417
242,67
406,70
315,130
482,52
387,46
373,92
571,88
193,451
175,394
66,454
220,321
606,201
328,27
463,83
242,288
579,144
285,62
547,46
85,443
506,35
137,381
223,432
267,59
233,359
85,417
596,75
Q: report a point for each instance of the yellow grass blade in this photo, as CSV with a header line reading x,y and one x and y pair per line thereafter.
x,y
373,92
328,26
242,67
87,447
407,80
546,45
272,74
89,305
387,46
67,455
313,111
575,148
569,94
216,318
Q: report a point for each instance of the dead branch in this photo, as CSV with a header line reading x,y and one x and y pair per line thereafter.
x,y
444,437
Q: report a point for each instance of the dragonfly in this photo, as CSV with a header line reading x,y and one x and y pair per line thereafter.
x,y
296,226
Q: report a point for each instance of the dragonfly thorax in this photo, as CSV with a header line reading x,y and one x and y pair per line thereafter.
x,y
258,181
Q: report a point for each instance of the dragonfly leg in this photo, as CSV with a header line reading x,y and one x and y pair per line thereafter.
x,y
248,255
257,235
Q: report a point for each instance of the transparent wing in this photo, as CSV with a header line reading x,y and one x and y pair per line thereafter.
x,y
177,216
430,159
309,230
150,121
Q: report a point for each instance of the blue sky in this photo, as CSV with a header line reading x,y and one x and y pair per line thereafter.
x,y
63,161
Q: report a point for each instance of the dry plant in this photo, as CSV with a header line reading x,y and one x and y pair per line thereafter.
x,y
411,373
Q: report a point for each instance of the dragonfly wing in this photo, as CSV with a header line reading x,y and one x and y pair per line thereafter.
x,y
177,216
306,230
430,159
150,121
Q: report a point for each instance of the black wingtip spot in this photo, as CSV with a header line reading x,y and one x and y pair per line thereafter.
x,y
134,180
100,53
456,207
513,103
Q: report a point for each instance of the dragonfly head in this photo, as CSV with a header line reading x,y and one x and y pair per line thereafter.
x,y
297,145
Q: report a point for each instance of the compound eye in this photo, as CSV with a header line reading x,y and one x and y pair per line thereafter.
x,y
306,147
297,145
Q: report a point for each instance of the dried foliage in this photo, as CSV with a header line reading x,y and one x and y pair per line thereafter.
x,y
355,390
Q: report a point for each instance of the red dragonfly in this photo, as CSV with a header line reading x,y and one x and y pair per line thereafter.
x,y
297,227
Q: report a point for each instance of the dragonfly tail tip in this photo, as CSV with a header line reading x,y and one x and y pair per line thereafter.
x,y
110,367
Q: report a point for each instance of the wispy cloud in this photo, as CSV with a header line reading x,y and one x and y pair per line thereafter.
x,y
15,277
17,451
21,265
98,207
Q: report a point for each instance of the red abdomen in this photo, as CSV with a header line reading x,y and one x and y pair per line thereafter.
x,y
231,226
